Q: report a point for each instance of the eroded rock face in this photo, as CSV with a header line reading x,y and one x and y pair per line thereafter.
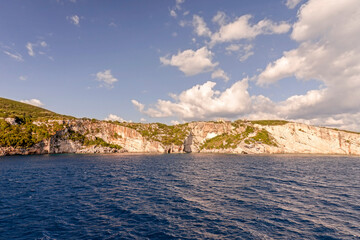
x,y
302,138
129,139
188,144
288,138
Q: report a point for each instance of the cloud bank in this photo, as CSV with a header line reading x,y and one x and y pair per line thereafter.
x,y
327,33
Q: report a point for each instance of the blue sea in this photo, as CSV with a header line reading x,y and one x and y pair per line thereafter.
x,y
179,196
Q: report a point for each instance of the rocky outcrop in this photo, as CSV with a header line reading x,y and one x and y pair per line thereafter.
x,y
128,138
290,138
239,138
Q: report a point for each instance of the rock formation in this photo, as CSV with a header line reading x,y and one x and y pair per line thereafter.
x,y
240,137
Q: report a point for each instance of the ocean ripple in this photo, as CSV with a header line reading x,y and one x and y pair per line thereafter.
x,y
185,196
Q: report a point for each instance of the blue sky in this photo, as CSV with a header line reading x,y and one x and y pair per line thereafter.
x,y
180,60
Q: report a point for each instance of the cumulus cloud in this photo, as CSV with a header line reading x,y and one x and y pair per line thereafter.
x,y
328,52
106,78
22,78
241,28
16,56
200,27
191,62
139,106
292,3
204,102
219,73
75,19
113,117
35,102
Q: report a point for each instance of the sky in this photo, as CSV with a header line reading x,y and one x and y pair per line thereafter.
x,y
175,61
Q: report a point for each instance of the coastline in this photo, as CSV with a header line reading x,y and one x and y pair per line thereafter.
x,y
192,153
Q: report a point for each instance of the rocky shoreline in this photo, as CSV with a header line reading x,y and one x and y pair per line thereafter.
x,y
200,137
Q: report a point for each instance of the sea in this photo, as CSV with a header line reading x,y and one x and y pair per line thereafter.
x,y
179,196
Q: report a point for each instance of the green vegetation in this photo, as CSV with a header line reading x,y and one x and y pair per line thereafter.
x,y
238,123
223,141
249,141
77,137
270,122
116,135
248,130
263,136
10,108
336,129
160,132
25,134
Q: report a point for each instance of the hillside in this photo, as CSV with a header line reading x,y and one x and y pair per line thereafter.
x,y
25,129
11,108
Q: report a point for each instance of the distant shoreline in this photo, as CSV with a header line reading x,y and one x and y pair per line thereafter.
x,y
194,153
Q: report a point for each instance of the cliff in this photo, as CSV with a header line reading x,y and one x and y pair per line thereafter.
x,y
30,130
241,137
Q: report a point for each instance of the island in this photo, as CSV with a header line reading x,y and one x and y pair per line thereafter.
x,y
26,129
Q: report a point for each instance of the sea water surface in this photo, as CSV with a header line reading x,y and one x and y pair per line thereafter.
x,y
184,196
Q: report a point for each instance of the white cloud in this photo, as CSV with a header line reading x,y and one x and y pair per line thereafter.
x,y
113,117
75,19
142,120
35,102
22,78
191,62
219,18
327,33
244,51
242,29
203,102
139,106
244,57
200,27
43,44
177,7
178,4
292,3
328,52
174,122
29,47
106,78
16,56
173,13
219,73
233,48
